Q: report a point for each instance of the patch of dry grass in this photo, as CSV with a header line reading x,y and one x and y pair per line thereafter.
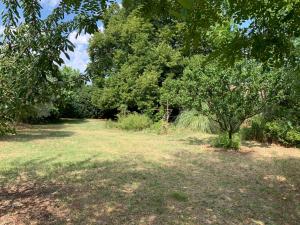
x,y
79,172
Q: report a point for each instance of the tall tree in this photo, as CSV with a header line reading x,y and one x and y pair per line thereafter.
x,y
131,59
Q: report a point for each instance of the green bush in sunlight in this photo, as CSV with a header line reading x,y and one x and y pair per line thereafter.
x,y
278,131
223,141
160,127
134,122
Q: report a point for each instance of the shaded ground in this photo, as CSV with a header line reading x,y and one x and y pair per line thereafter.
x,y
79,172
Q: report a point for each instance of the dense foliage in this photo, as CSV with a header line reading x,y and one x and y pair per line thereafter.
x,y
223,141
7,106
134,122
277,130
130,61
264,30
229,95
75,96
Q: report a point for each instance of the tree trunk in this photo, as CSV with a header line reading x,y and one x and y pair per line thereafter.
x,y
230,135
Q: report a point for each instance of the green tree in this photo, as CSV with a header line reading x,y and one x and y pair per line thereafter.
x,y
33,45
74,96
229,95
130,61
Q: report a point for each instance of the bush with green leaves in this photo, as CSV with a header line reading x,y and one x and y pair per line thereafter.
x,y
255,130
39,113
223,141
279,131
293,138
160,127
282,132
134,121
79,104
75,96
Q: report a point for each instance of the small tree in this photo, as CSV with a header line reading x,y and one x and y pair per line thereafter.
x,y
229,95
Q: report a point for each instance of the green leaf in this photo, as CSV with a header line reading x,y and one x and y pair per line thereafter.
x,y
187,4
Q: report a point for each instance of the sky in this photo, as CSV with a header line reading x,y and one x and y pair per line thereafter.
x,y
79,58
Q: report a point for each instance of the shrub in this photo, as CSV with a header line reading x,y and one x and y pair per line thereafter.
x,y
194,121
78,104
280,131
256,131
293,137
6,127
38,113
276,130
223,141
134,122
283,132
160,127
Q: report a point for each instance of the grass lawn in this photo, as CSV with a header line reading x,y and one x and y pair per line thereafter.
x,y
79,172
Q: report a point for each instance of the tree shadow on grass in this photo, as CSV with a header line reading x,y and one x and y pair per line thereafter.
x,y
209,141
36,134
94,192
59,124
198,141
219,189
253,144
70,121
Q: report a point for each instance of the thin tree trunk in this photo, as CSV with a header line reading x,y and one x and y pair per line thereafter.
x,y
230,135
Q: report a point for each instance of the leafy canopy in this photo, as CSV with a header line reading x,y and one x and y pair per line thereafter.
x,y
130,61
229,95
